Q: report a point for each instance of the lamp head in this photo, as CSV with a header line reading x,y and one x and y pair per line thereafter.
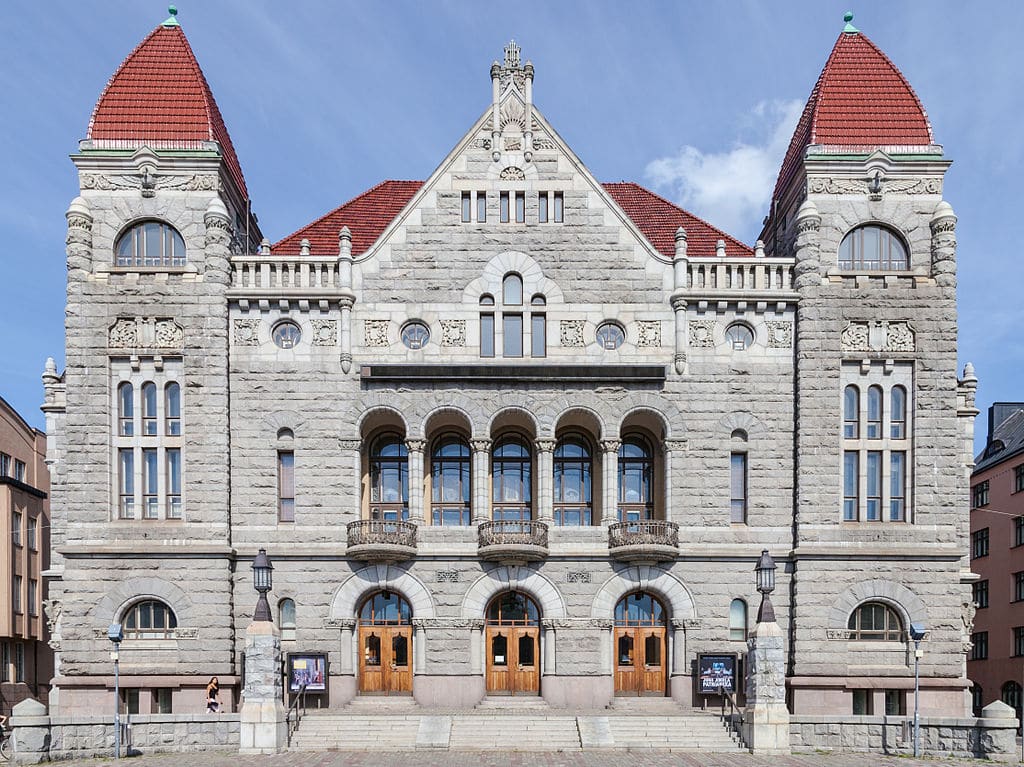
x,y
262,572
917,631
765,572
115,633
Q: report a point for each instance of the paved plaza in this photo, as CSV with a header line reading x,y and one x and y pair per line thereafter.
x,y
525,759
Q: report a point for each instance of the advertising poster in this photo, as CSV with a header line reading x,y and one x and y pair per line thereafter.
x,y
717,674
308,670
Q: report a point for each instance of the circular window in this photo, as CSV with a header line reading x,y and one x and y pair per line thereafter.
x,y
415,335
286,334
610,335
740,337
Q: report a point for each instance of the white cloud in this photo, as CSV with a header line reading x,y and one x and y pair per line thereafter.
x,y
731,189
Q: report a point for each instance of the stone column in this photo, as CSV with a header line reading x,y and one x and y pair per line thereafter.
x,y
347,666
217,265
548,650
943,225
807,270
681,278
264,730
476,647
544,498
354,447
416,511
672,446
679,667
481,479
766,721
347,298
610,481
79,240
419,646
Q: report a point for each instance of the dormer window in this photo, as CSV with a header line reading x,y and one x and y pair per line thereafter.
x,y
873,248
151,243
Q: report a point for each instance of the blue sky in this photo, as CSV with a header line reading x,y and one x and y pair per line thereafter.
x,y
696,100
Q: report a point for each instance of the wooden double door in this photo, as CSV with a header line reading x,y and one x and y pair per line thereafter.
x,y
513,660
640,660
385,660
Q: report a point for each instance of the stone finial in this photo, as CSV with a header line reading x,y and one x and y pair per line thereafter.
x,y
304,247
759,249
943,214
681,243
807,210
720,248
50,371
217,208
79,207
511,55
495,70
265,247
345,242
528,70
969,375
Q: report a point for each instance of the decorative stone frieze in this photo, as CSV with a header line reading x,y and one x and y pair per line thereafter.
x,y
572,332
189,632
453,333
675,445
350,444
837,634
877,337
648,333
869,186
339,623
375,332
145,333
780,334
577,576
702,333
148,181
246,332
325,332
447,576
512,173
543,143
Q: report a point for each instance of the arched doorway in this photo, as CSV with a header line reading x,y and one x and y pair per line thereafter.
x,y
513,645
640,645
385,645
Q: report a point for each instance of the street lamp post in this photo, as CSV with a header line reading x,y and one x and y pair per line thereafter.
x,y
765,570
115,634
917,633
262,581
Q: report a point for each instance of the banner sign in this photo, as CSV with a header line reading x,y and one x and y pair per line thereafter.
x,y
717,674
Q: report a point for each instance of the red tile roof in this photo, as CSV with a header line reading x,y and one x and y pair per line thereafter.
x,y
368,215
861,101
159,98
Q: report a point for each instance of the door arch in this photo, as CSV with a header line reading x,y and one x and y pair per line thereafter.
x,y
640,645
385,645
512,641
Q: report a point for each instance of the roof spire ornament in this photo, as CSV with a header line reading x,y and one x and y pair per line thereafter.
x,y
849,29
172,20
512,55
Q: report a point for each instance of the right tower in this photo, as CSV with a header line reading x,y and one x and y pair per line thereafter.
x,y
880,490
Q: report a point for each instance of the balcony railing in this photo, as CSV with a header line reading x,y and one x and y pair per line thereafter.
x,y
740,274
513,540
652,540
377,540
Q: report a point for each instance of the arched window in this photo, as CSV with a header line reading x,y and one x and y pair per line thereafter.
x,y
286,618
738,619
898,413
125,410
573,460
874,412
149,409
149,619
385,608
511,479
512,608
172,409
875,621
450,481
739,336
512,290
150,243
873,248
636,479
851,412
639,609
389,478
1011,696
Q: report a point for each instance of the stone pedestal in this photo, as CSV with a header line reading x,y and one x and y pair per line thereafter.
x,y
264,730
30,727
766,720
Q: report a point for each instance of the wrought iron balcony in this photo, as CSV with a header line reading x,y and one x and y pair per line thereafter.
x,y
649,541
377,540
513,540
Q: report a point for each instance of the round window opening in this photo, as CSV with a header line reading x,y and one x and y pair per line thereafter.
x,y
415,335
610,336
286,334
740,337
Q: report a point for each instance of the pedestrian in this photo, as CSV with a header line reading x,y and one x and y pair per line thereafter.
x,y
212,704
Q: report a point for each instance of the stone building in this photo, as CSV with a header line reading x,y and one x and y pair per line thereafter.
x,y
996,663
26,661
510,430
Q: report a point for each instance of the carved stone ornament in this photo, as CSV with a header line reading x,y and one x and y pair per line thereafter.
x,y
375,332
572,332
123,335
702,334
513,144
577,576
875,186
447,576
246,332
675,445
350,444
168,334
453,332
325,332
186,633
482,143
148,181
780,334
877,336
543,143
840,634
513,114
648,333
339,623
53,609
145,333
512,173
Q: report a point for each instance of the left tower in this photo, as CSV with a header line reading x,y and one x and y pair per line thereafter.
x,y
141,528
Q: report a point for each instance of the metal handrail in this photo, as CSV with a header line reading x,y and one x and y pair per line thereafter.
x,y
523,532
734,718
657,532
368,531
298,705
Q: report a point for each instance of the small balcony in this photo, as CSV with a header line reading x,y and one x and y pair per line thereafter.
x,y
636,542
376,540
513,541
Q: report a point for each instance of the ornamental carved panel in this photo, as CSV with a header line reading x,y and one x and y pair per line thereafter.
x,y
702,334
878,336
325,332
512,173
453,332
448,576
780,334
146,333
123,335
572,332
168,334
648,333
246,332
375,332
577,576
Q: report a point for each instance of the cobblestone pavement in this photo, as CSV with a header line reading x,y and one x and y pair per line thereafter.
x,y
523,759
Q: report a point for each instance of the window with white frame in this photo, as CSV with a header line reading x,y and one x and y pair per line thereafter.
x,y
147,428
876,433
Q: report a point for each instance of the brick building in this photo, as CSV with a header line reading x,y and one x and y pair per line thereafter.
x,y
510,430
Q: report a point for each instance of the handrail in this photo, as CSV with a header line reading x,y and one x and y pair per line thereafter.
x,y
523,532
647,532
298,705
734,719
393,532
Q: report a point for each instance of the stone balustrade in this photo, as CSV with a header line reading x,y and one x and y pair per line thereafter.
x,y
740,274
263,275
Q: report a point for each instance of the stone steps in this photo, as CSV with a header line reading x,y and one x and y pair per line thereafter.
x,y
482,732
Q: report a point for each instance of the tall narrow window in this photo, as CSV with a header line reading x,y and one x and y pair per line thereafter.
x,y
572,467
450,481
898,486
503,212
851,412
542,207
125,410
874,412
520,207
16,593
467,207
512,290
898,413
5,661
481,207
19,662
559,208
286,485
874,486
636,480
173,483
487,326
851,495
738,488
172,409
33,595
389,479
538,335
31,533
126,482
150,488
738,619
149,409
286,618
511,479
16,518
512,335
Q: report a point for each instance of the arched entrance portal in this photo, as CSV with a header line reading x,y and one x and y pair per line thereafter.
x,y
513,645
385,645
639,645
